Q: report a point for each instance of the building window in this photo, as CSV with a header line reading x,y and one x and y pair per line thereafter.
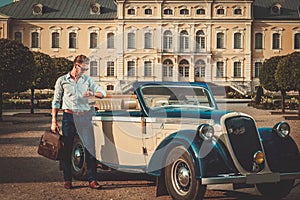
x,y
220,41
258,41
148,11
200,68
184,40
148,41
200,11
131,41
55,40
220,69
93,68
237,69
110,40
110,68
167,40
276,41
220,11
200,40
184,11
237,11
257,67
168,68
131,11
35,40
237,41
168,11
72,40
131,68
110,87
297,41
184,68
18,37
93,40
147,68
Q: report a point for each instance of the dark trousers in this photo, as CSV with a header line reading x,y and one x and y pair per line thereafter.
x,y
69,131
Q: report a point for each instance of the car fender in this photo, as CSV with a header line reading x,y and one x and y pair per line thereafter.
x,y
282,154
202,153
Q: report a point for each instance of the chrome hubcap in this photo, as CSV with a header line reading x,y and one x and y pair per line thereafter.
x,y
181,178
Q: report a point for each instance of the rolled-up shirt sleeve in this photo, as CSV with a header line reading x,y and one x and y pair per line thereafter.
x,y
96,88
58,93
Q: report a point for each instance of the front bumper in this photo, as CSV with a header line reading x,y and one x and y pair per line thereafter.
x,y
250,178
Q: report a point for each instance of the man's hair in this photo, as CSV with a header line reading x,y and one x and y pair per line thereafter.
x,y
81,59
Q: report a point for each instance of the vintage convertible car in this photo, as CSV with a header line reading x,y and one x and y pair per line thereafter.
x,y
176,132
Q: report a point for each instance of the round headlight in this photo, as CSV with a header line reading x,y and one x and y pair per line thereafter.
x,y
206,131
282,129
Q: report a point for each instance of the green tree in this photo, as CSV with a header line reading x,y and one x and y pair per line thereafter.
x,y
295,69
267,77
283,77
16,67
45,74
62,65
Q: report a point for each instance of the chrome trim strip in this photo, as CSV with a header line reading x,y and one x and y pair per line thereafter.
x,y
117,118
250,178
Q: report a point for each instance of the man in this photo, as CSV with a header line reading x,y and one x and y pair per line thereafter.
x,y
72,91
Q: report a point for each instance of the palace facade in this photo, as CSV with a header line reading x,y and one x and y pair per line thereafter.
x,y
220,41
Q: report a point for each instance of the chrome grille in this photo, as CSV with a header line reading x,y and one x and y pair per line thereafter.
x,y
244,139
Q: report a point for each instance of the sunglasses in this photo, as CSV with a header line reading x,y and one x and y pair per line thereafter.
x,y
83,68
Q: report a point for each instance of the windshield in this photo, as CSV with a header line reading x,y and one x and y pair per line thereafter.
x,y
169,96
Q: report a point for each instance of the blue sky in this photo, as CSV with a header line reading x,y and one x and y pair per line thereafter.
x,y
4,2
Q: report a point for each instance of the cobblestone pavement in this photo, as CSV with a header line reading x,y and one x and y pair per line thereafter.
x,y
26,175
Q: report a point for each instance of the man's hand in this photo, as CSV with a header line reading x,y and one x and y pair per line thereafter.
x,y
54,127
88,94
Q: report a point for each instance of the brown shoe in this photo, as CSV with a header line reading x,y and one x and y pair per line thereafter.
x,y
68,185
94,185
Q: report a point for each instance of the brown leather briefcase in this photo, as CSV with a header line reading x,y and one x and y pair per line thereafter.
x,y
50,145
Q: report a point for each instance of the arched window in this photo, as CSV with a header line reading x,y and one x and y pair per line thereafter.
x,y
200,40
167,40
148,11
237,11
131,11
148,41
200,11
72,40
184,40
220,11
93,40
200,68
168,11
131,41
168,68
184,11
131,68
184,68
220,69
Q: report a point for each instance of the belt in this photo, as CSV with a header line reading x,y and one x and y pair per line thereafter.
x,y
75,113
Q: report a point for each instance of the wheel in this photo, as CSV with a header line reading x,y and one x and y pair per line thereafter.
x,y
78,162
180,176
275,190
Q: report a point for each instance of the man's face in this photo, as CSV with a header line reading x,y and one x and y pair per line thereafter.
x,y
81,68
